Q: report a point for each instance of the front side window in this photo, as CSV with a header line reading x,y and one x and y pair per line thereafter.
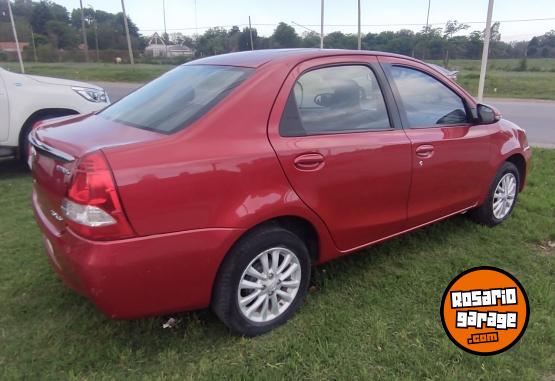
x,y
334,100
178,98
427,101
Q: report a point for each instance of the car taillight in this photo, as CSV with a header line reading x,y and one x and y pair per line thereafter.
x,y
92,206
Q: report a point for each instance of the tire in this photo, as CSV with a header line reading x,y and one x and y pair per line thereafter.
x,y
487,214
28,126
248,255
24,144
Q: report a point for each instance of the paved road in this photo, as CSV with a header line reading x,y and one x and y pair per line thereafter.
x,y
536,117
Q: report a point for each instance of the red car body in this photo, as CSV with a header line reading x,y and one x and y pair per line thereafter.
x,y
190,195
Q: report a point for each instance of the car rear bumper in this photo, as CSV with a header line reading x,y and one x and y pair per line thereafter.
x,y
139,277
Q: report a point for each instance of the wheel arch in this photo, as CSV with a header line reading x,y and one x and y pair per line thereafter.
x,y
39,115
300,226
520,163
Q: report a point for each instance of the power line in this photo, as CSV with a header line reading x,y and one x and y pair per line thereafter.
x,y
354,25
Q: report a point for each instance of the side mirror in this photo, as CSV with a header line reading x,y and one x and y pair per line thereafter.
x,y
487,114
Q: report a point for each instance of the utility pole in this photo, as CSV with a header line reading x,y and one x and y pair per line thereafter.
x,y
34,46
95,32
84,32
250,33
166,37
164,11
428,16
427,30
196,21
322,25
15,37
96,40
485,52
359,35
131,60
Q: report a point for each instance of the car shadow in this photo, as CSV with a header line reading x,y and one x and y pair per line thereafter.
x,y
12,168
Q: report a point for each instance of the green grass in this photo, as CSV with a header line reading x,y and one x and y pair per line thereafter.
x,y
510,64
511,84
93,71
373,315
503,79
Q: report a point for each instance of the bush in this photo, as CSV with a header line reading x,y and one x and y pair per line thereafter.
x,y
522,65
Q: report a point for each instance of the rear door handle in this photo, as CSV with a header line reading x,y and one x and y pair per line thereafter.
x,y
309,161
425,151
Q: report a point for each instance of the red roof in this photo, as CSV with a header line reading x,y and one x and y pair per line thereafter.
x,y
11,46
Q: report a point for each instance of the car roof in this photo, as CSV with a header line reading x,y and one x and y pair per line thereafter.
x,y
257,58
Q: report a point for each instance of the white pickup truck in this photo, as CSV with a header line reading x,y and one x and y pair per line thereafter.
x,y
27,99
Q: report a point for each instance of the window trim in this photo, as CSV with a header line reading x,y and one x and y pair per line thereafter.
x,y
382,84
401,106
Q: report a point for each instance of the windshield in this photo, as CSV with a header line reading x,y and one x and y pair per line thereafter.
x,y
176,99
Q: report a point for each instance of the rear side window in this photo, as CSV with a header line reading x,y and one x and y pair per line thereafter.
x,y
427,101
335,99
176,99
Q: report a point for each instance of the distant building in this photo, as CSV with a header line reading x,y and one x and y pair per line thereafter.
x,y
179,50
12,46
158,48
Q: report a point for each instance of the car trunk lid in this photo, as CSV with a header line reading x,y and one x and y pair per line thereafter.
x,y
56,148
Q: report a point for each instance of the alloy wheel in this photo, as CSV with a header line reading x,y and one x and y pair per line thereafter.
x,y
504,196
269,284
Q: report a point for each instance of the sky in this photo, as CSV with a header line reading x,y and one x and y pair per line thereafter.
x,y
339,14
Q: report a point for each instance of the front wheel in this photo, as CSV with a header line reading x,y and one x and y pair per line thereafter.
x,y
24,145
501,199
262,282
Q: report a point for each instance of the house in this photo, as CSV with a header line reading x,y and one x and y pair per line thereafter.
x,y
179,50
158,48
12,46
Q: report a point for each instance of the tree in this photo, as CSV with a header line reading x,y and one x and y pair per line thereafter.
x,y
310,40
474,45
542,46
285,36
401,42
232,40
213,41
338,40
451,28
245,39
40,16
429,43
61,35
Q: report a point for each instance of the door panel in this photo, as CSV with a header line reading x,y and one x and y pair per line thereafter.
x,y
357,182
450,156
452,177
4,112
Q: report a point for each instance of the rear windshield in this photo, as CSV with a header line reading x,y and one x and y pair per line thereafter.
x,y
176,99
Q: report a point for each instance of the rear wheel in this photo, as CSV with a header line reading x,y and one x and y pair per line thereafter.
x,y
262,282
501,198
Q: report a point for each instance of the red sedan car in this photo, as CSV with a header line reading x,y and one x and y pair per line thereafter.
x,y
223,181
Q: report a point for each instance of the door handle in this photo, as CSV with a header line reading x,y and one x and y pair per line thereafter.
x,y
425,151
309,161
